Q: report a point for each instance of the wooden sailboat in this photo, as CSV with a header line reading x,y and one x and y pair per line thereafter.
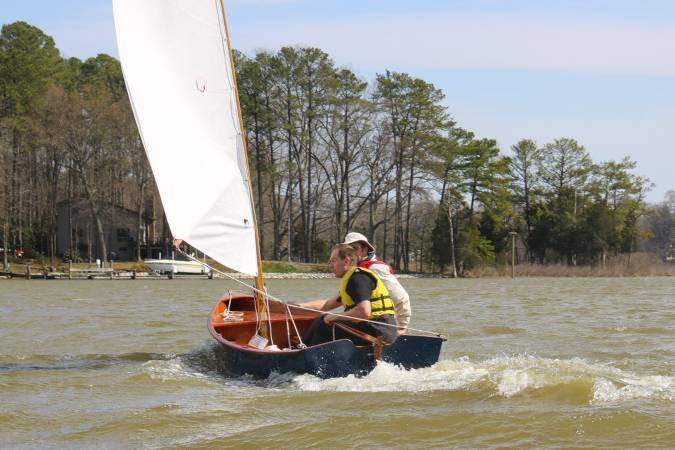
x,y
179,71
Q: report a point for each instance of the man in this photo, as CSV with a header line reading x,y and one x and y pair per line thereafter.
x,y
367,260
363,295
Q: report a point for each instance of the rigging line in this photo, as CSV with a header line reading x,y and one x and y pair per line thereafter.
x,y
288,330
303,307
297,333
258,321
267,312
229,302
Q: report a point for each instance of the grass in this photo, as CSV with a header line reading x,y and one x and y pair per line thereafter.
x,y
641,265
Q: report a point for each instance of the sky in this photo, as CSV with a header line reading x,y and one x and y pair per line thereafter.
x,y
599,71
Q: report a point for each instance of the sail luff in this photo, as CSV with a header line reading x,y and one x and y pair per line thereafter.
x,y
259,278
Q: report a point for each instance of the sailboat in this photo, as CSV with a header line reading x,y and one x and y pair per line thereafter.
x,y
179,72
177,265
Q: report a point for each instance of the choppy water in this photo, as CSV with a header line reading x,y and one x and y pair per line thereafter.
x,y
529,363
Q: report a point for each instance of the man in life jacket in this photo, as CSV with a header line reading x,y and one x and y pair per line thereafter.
x,y
363,295
367,260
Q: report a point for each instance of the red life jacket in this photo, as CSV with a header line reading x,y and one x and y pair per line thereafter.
x,y
369,262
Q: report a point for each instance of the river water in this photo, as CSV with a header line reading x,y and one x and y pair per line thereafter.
x,y
529,363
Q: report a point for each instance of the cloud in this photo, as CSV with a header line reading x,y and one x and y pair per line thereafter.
x,y
492,41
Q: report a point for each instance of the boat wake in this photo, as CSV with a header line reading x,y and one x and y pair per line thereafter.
x,y
575,379
570,380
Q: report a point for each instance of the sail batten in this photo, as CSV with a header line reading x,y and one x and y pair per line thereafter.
x,y
179,75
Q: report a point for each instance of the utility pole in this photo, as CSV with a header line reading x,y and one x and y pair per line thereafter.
x,y
574,257
452,243
5,247
513,253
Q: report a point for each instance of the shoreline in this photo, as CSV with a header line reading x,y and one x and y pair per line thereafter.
x,y
640,265
130,275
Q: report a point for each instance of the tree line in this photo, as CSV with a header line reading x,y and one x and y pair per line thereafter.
x,y
329,153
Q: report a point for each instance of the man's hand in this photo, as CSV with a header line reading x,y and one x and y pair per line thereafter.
x,y
328,318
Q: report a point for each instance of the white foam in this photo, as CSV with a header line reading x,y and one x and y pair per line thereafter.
x,y
447,375
632,388
514,374
513,381
505,376
166,370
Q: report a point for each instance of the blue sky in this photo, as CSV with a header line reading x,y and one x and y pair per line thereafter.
x,y
599,71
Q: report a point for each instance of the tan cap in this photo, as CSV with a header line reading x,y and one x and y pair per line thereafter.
x,y
357,237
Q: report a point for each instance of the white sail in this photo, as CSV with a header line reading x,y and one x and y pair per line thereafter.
x,y
176,62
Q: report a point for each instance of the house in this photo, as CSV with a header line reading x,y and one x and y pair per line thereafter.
x,y
76,229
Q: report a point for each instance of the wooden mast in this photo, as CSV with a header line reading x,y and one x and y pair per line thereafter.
x,y
259,283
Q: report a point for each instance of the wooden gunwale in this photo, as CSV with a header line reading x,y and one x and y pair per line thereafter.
x,y
237,333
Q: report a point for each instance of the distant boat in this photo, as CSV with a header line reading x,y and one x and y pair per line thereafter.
x,y
175,266
179,73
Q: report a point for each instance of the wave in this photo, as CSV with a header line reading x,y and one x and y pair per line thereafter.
x,y
69,362
497,330
568,380
574,380
649,330
571,380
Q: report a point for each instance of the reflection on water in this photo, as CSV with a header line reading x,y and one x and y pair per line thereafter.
x,y
529,363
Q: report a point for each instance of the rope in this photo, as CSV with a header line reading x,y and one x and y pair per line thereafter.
x,y
288,330
232,316
297,333
254,289
269,319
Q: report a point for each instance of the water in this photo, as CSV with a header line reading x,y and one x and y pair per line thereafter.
x,y
529,363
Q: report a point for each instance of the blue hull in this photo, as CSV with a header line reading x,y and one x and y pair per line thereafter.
x,y
333,359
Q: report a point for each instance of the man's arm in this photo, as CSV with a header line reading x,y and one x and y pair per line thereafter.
x,y
360,311
325,304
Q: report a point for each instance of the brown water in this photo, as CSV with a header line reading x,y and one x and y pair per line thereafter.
x,y
529,363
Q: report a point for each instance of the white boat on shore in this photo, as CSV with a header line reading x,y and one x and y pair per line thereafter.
x,y
175,266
